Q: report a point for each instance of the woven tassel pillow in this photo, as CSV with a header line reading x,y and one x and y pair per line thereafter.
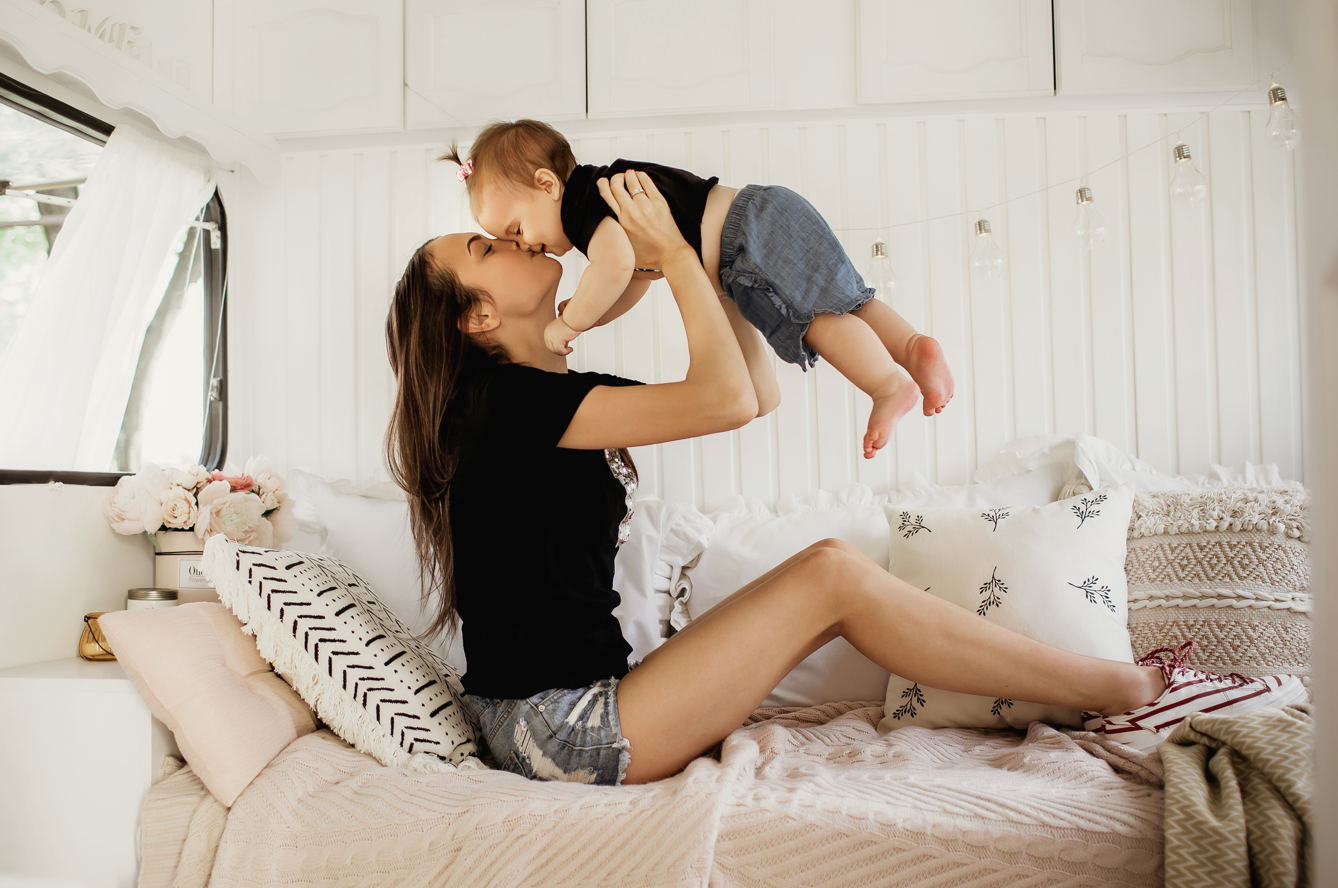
x,y
1228,567
349,657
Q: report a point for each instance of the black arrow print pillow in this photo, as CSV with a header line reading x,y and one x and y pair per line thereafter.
x,y
347,654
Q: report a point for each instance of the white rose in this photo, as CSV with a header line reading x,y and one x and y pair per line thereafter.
x,y
195,476
284,523
212,494
135,504
179,509
268,482
241,517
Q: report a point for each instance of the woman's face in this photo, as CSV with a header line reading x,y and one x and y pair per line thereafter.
x,y
520,283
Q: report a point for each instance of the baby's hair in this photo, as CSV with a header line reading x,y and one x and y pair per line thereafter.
x,y
512,153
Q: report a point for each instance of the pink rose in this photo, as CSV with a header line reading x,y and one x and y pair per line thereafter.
x,y
213,492
238,483
192,478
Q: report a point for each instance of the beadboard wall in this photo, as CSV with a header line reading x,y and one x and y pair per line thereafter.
x,y
1178,339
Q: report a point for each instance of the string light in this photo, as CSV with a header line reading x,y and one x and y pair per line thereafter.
x,y
986,257
1088,226
881,276
1188,187
1281,126
1046,188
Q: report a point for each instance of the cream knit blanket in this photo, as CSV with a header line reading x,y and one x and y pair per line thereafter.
x,y
811,797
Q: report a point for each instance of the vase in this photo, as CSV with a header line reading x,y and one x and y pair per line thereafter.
x,y
177,566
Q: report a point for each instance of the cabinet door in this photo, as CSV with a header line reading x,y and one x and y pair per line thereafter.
x,y
668,56
306,67
1105,46
911,50
468,62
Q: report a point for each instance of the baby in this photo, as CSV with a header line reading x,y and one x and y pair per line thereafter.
x,y
764,247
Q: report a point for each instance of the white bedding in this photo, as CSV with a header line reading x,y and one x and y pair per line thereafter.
x,y
810,797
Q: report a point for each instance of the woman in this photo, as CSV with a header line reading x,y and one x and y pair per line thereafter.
x,y
519,484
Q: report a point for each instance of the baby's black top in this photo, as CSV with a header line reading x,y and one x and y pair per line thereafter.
x,y
583,209
534,529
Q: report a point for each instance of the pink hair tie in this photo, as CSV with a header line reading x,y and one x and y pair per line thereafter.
x,y
465,171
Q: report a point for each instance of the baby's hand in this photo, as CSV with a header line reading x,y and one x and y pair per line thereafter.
x,y
558,336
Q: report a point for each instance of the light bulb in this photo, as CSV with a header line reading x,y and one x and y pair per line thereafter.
x,y
1088,226
881,276
986,257
1188,187
1281,126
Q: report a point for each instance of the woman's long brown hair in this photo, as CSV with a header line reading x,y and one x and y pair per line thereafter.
x,y
432,357
428,352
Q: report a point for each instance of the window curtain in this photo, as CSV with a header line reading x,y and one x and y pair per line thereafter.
x,y
67,375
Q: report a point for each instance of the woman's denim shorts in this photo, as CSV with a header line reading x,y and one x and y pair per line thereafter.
x,y
781,264
562,734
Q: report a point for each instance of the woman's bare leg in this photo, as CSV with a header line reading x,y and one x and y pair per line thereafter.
x,y
855,351
701,684
921,355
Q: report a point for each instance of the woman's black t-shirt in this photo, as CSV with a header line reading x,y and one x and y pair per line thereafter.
x,y
583,209
534,529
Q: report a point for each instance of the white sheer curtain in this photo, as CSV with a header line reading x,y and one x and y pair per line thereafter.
x,y
67,375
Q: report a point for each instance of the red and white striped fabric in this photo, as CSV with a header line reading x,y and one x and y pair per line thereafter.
x,y
1189,692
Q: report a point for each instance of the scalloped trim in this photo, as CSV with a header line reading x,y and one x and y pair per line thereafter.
x,y
1278,510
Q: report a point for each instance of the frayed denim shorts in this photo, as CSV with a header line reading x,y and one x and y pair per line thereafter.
x,y
781,264
562,734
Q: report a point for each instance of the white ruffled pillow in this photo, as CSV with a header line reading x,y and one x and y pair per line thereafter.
x,y
1053,573
663,537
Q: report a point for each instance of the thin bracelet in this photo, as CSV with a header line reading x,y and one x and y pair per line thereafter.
x,y
655,270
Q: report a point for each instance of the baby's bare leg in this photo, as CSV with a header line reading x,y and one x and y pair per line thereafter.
x,y
855,351
921,355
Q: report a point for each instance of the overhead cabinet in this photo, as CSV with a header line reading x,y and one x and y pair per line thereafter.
x,y
910,50
658,57
468,62
1120,46
307,68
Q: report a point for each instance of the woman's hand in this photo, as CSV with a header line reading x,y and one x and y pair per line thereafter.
x,y
644,214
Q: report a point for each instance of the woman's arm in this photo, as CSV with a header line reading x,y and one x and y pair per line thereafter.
x,y
717,395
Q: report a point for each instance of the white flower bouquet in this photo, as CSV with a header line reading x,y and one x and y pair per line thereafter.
x,y
251,508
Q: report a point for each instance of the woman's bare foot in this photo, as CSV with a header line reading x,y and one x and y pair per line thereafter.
x,y
892,401
929,368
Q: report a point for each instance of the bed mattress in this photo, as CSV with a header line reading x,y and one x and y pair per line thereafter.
x,y
795,797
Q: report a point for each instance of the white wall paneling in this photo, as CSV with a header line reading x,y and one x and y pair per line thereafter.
x,y
468,62
668,56
1125,46
910,51
307,67
1178,339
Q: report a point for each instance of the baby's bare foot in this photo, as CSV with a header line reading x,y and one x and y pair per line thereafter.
x,y
890,404
929,368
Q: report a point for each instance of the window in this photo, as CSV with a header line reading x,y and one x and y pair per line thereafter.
x,y
176,412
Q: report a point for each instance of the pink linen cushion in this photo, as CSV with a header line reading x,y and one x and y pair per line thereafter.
x,y
207,682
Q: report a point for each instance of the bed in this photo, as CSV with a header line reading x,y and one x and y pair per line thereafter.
x,y
795,797
799,795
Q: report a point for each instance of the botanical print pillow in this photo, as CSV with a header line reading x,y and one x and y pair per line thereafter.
x,y
1054,573
347,654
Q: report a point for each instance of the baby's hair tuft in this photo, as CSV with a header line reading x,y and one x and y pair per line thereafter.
x,y
512,152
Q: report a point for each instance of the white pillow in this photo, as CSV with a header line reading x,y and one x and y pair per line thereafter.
x,y
1054,573
663,536
349,657
749,541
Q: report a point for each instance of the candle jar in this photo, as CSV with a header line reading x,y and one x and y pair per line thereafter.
x,y
147,599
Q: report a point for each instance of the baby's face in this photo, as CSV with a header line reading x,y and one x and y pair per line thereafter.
x,y
532,217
